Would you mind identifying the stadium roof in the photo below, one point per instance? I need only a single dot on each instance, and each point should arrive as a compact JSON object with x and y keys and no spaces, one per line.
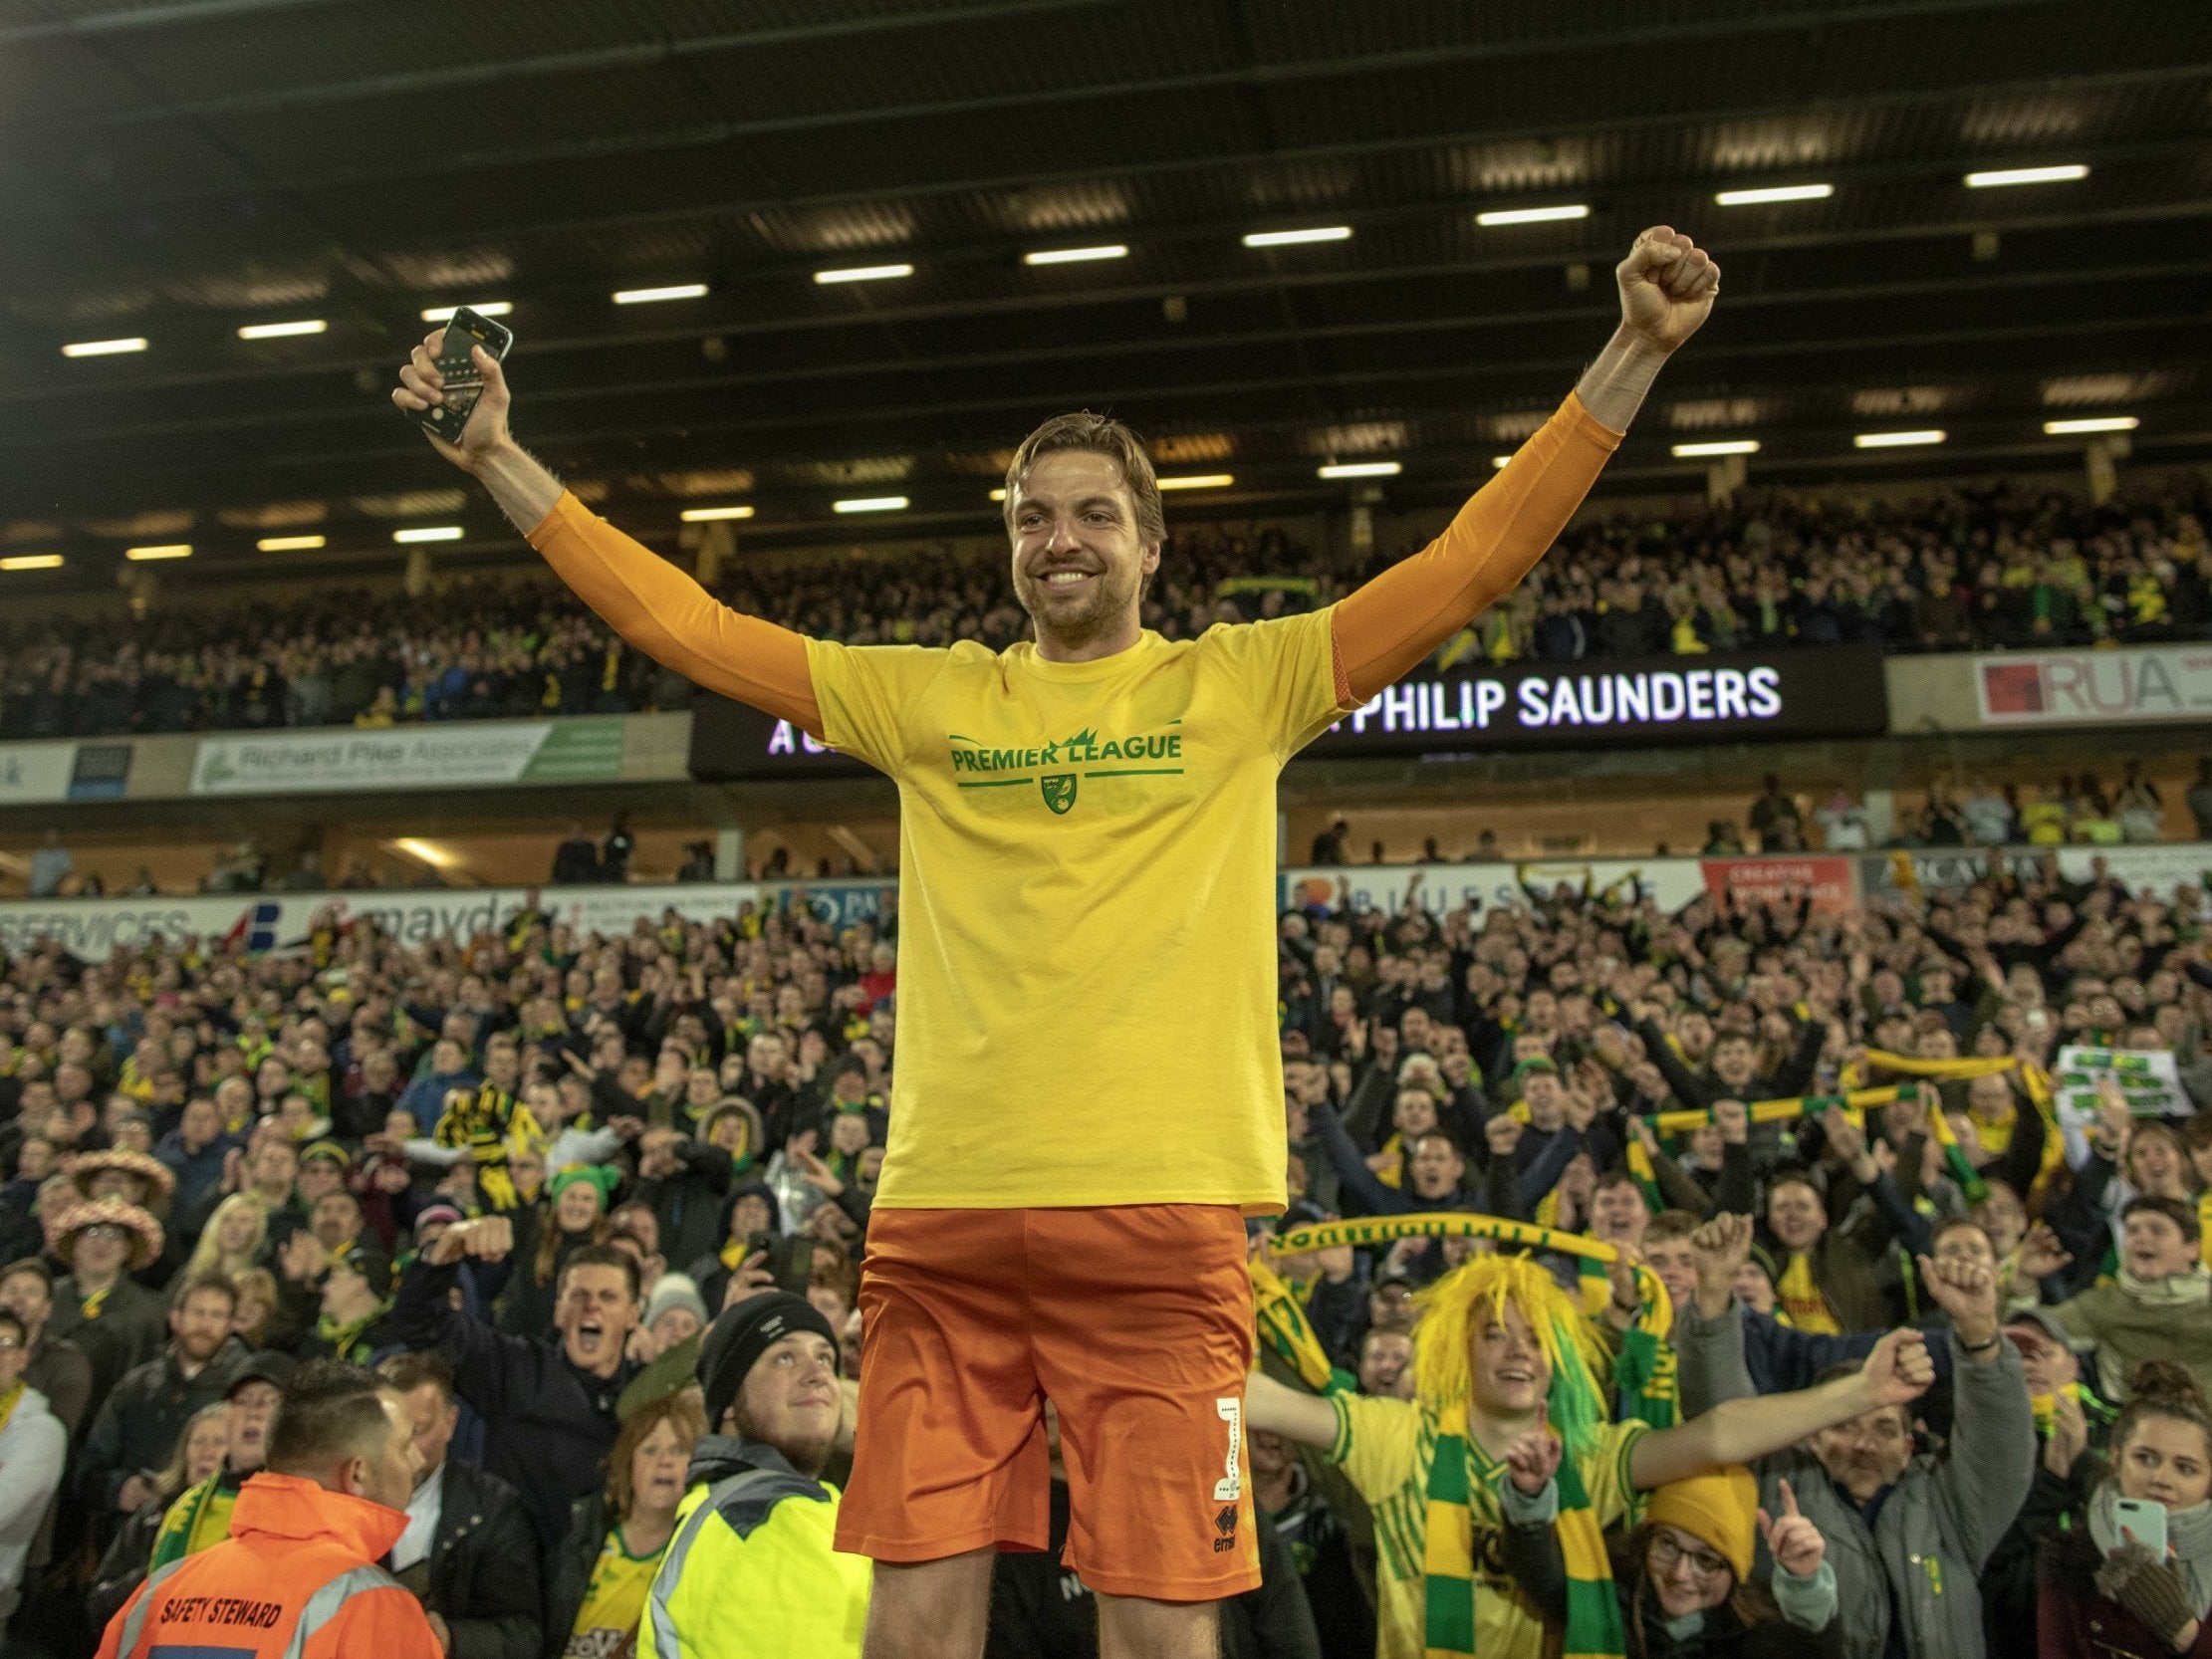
{"x":177,"y":170}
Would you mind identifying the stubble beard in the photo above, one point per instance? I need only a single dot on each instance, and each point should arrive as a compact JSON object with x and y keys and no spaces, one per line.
{"x":1076,"y":627}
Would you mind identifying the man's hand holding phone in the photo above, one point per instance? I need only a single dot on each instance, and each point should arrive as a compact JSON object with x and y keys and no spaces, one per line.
{"x":485,"y":449}
{"x":421,"y":388}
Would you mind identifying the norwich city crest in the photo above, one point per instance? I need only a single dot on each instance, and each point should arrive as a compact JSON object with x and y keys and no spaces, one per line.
{"x":1059,"y":789}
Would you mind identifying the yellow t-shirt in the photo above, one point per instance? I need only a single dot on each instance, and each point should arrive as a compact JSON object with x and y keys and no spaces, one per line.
{"x":614,"y":1601}
{"x":1086,"y":886}
{"x":1798,"y":1295}
{"x":1385,"y":1448}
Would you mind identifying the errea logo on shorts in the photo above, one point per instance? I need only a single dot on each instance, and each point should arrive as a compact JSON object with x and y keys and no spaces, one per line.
{"x":1057,"y":767}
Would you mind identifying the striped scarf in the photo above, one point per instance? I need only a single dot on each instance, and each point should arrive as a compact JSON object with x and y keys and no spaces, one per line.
{"x":1576,"y":1411}
{"x":1593,"y":1614}
{"x":1283,"y":1326}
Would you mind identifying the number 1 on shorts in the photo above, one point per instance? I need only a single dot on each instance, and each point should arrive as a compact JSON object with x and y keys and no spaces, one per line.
{"x":1230,"y":1486}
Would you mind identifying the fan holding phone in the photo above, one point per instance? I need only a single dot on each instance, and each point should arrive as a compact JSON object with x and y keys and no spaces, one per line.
{"x":2138,"y":1579}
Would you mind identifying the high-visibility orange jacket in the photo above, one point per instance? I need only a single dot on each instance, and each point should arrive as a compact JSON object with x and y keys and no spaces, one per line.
{"x":296,"y":1579}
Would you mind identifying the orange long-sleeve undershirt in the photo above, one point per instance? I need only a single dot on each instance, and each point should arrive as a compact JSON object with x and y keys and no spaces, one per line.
{"x":1382,"y":631}
{"x":1378,"y":633}
{"x":675,"y":621}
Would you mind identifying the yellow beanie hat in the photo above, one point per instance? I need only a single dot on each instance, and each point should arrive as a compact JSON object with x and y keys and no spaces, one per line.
{"x":1716,"y":1508}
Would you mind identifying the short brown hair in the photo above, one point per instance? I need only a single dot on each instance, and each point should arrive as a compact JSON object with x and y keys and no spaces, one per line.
{"x":412,"y":1371}
{"x":1093,"y":434}
{"x":210,"y":1283}
{"x":1671,"y":1224}
{"x":681,"y":1410}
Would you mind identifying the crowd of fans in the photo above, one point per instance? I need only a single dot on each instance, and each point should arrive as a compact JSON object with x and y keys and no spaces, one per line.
{"x":522,"y":1178}
{"x":1958,"y":569}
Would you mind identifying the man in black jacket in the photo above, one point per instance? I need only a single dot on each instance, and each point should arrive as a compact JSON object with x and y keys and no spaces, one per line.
{"x":683,"y":1181}
{"x":468,"y":1552}
{"x":141,"y":1420}
{"x":548,"y":1408}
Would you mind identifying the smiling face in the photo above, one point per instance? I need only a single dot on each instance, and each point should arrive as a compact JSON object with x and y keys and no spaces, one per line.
{"x":1867,"y":1453}
{"x":1618,"y":1213}
{"x":577,"y":1207}
{"x":790,"y":1399}
{"x":1078,"y":558}
{"x":1795,"y":1212}
{"x":1686,"y":1575}
{"x":2153,"y":1246}
{"x":1511,"y":1375}
{"x":2155,"y":1162}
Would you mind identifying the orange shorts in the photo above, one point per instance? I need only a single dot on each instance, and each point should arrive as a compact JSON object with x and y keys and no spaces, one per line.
{"x":1135,"y":1321}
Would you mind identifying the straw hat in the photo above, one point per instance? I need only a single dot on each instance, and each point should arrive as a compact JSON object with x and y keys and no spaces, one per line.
{"x":145,"y":1246}
{"x":160,"y":1180}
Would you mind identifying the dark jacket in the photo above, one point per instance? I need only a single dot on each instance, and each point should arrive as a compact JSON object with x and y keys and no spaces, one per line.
{"x":197,"y":1173}
{"x":129,"y":1329}
{"x":569,"y":1567}
{"x":1040,"y":1609}
{"x":1783,"y":1361}
{"x":137,"y":1424}
{"x":1702,"y":1088}
{"x":2012,"y":1582}
{"x":689,"y":1203}
{"x":484,"y":1567}
{"x":2075,"y":1620}
{"x":548,"y":1425}
{"x":59,"y":1371}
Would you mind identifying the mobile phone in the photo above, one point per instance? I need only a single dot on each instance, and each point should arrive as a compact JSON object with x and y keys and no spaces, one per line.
{"x":2143,"y":1522}
{"x":789,"y":1260}
{"x":463,"y":385}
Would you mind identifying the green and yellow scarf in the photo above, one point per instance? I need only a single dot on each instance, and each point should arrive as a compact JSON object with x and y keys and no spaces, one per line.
{"x":1576,"y":1412}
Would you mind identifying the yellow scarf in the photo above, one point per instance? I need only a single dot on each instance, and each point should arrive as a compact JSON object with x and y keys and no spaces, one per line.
{"x":1802,"y":1299}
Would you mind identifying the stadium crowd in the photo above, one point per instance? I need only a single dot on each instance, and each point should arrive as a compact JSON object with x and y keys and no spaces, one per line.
{"x":1957,"y":569}
{"x":593,"y":1210}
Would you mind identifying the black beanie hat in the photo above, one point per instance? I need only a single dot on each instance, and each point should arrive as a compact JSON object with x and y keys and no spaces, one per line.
{"x":740,"y":1334}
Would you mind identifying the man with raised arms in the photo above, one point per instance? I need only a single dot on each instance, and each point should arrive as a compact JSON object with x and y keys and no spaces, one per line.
{"x":1094,"y":928}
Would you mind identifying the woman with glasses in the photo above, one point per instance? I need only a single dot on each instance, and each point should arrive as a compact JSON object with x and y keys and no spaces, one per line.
{"x":1686,"y":1578}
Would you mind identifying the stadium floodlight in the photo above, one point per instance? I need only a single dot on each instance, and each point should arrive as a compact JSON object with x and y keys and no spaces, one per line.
{"x":1898,"y":440}
{"x":431,"y":852}
{"x":487,"y":308}
{"x":1076,"y":256}
{"x":1363,"y":469}
{"x":429,"y":533}
{"x":1534,"y":215}
{"x":870,"y":504}
{"x":863,"y":273}
{"x":999,"y":494}
{"x":31,"y":562}
{"x":103,"y":348}
{"x":1294,"y":238}
{"x":2026,"y":175}
{"x":713,"y":515}
{"x":288,"y":544}
{"x":1498,"y":462}
{"x":653,"y":296}
{"x":1721,"y":446}
{"x":1198,"y":481}
{"x":169,"y":550}
{"x":282,"y":330}
{"x":2090,"y":423}
{"x":1774,"y":192}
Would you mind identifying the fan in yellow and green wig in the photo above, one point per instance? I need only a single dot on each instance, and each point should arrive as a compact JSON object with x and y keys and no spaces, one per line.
{"x":1457,"y":1309}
